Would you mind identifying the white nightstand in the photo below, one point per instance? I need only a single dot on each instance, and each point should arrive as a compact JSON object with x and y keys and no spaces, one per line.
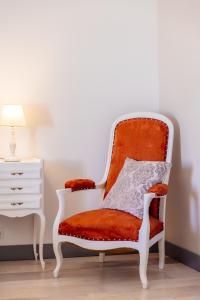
{"x":21,"y":194}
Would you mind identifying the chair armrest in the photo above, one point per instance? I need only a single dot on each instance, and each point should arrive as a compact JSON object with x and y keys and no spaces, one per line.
{"x":80,"y":184}
{"x":145,"y":227}
{"x":62,"y":192}
{"x":160,"y":189}
{"x":62,"y":199}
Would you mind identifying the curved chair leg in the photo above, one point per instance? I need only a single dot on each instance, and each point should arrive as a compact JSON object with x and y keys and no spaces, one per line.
{"x":59,"y":258}
{"x":101,"y":257}
{"x":161,"y":248}
{"x":144,"y":254}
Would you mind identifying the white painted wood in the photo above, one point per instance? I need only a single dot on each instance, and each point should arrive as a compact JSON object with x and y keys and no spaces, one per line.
{"x":20,"y":205}
{"x":101,"y":257}
{"x":144,"y":255}
{"x":25,"y":169}
{"x":161,"y":248}
{"x":21,"y":194}
{"x":35,"y":232}
{"x":18,"y":196}
{"x":20,"y":201}
{"x":41,"y":239}
{"x":20,"y":173}
{"x":156,"y":238}
{"x":144,"y":242}
{"x":20,"y":187}
{"x":59,"y":257}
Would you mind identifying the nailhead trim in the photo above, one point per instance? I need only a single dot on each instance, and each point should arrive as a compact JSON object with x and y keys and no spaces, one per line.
{"x":102,"y":240}
{"x":81,"y":189}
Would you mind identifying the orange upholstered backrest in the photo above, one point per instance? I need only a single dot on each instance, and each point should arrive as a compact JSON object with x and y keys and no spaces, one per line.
{"x":139,"y":139}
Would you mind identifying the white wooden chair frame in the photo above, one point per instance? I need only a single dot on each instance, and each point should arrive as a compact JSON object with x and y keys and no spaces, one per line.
{"x":144,"y":242}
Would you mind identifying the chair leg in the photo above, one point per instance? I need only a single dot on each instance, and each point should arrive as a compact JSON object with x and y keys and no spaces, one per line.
{"x":161,"y":248}
{"x":59,"y":258}
{"x":101,"y":257}
{"x":144,"y":255}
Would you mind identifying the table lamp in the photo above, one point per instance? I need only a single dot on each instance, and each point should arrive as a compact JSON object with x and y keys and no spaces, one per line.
{"x":12,"y":116}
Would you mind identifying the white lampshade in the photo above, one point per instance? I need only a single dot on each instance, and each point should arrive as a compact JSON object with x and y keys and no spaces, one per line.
{"x":12,"y":115}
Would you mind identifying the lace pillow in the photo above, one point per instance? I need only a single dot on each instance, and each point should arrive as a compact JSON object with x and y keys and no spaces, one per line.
{"x":135,"y":178}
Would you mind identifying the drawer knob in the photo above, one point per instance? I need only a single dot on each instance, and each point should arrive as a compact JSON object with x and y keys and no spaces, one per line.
{"x":16,"y":203}
{"x":19,"y":188}
{"x":17,"y":173}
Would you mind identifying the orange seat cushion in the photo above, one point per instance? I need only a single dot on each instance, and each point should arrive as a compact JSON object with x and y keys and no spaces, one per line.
{"x":107,"y":225}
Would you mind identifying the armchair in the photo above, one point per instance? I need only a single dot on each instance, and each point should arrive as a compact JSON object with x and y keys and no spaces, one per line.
{"x":141,"y":136}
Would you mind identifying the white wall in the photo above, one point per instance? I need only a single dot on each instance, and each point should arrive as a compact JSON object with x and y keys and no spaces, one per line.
{"x":75,"y":65}
{"x":179,"y":73}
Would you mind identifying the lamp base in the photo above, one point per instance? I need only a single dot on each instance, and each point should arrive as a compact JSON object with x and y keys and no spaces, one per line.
{"x":12,"y":159}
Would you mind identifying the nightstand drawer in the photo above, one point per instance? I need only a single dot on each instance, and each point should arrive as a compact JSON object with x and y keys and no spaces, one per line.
{"x":24,"y":201}
{"x":21,"y":173}
{"x":20,"y":187}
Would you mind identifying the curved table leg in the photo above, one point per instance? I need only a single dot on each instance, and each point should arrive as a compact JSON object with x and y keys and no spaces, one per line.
{"x":35,"y":231}
{"x":41,"y":239}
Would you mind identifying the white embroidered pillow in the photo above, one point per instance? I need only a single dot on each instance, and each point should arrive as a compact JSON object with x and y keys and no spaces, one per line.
{"x":135,"y":178}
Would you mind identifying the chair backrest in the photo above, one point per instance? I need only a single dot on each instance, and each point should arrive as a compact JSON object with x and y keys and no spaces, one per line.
{"x":140,"y":136}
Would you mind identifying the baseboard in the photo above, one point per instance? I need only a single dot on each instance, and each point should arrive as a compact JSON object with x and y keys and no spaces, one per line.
{"x":184,"y":256}
{"x":25,"y":252}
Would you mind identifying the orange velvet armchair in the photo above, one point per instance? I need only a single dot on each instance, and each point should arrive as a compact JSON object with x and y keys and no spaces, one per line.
{"x":141,"y":136}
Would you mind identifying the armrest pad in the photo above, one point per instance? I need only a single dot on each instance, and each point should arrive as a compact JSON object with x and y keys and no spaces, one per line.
{"x":160,"y":189}
{"x":80,"y":184}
